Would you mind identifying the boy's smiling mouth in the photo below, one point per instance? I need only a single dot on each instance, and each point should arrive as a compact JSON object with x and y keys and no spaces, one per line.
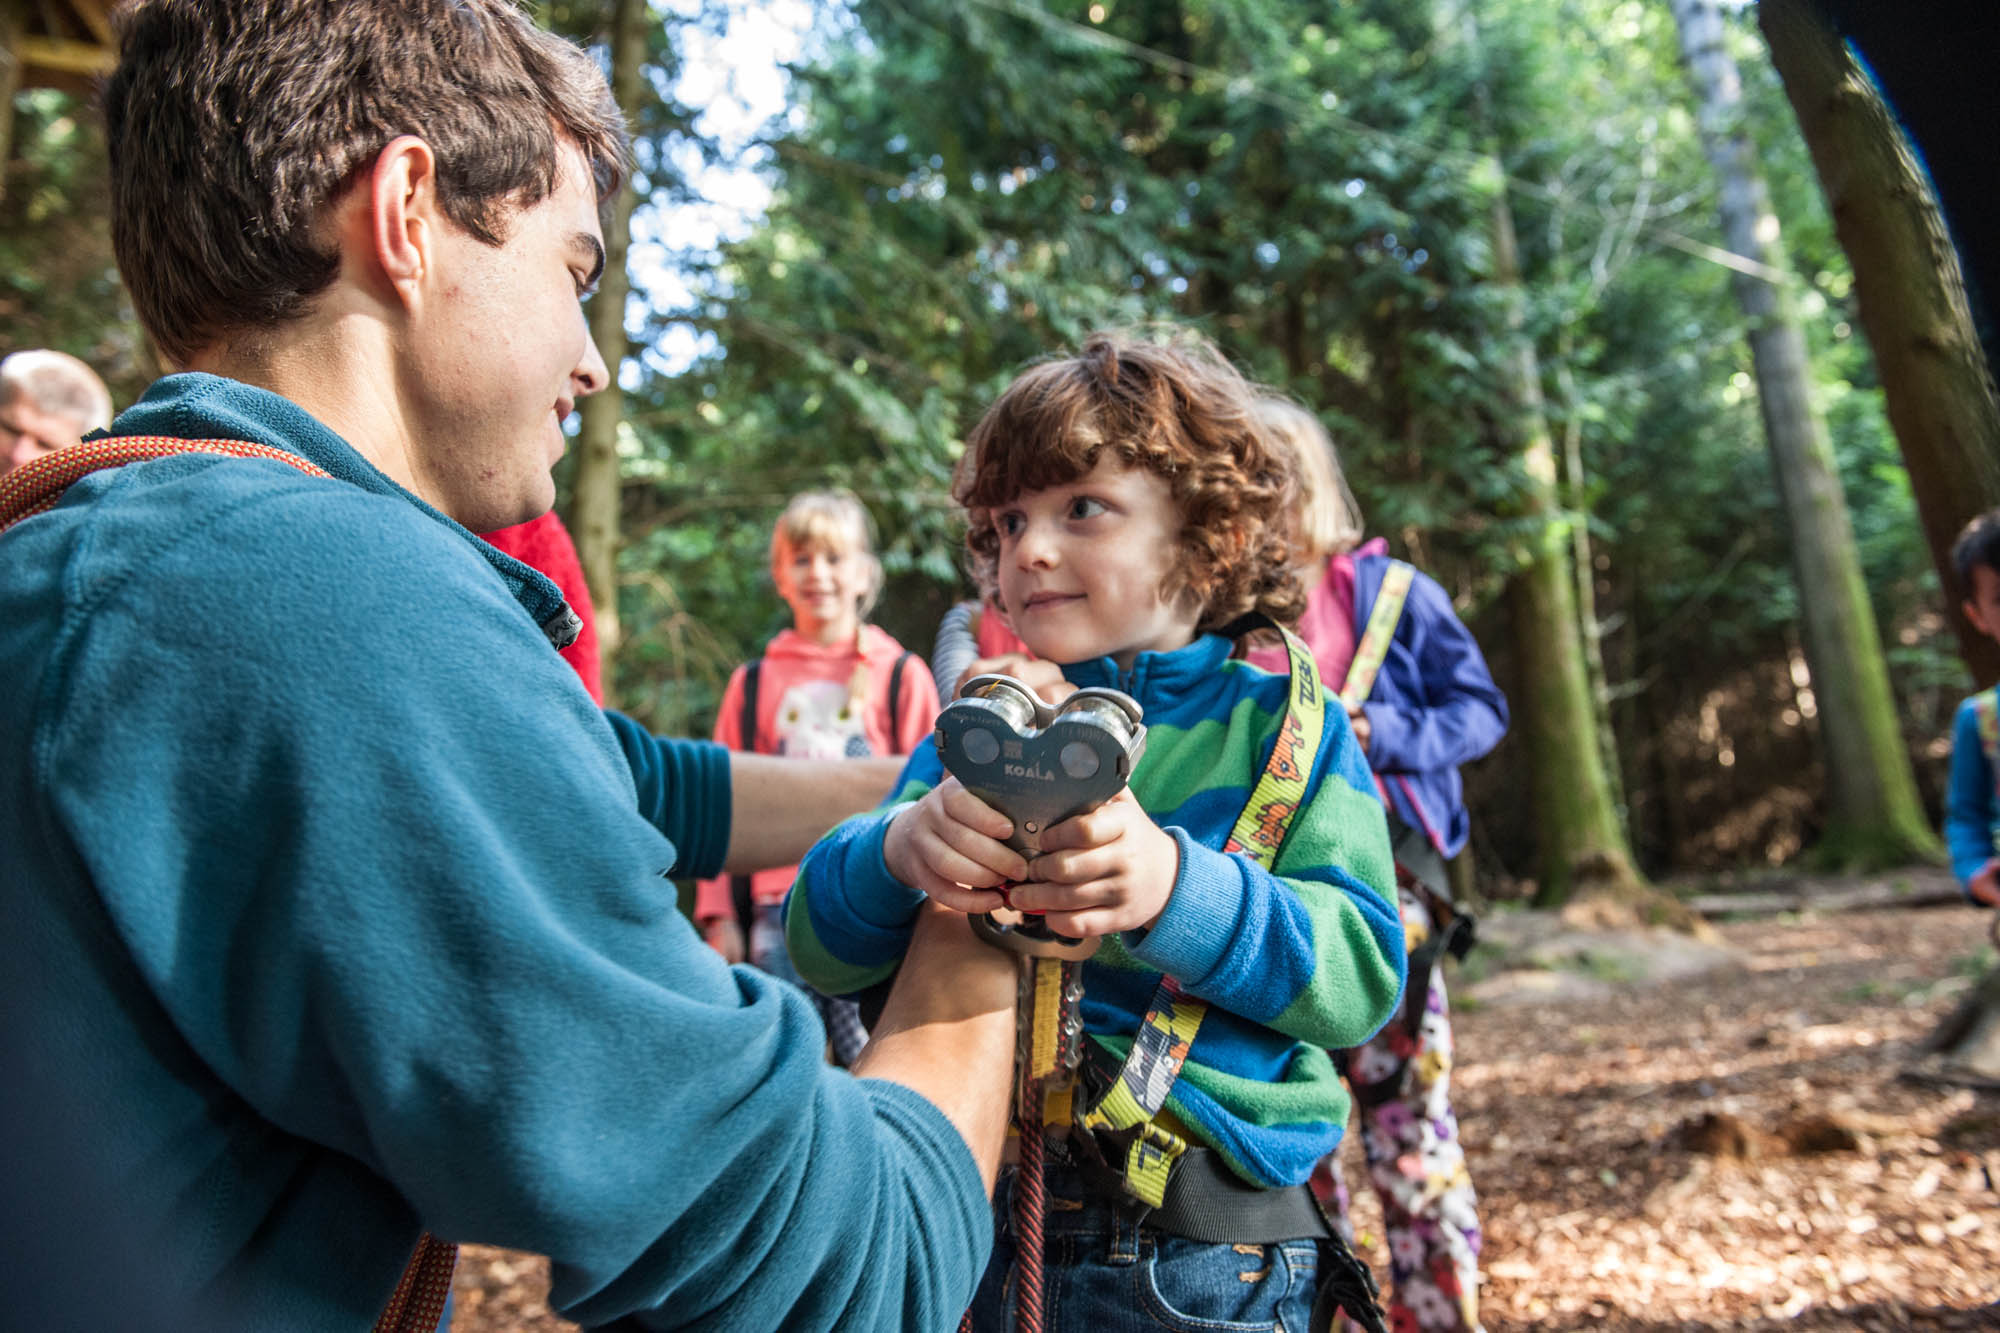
{"x":1041,"y":601}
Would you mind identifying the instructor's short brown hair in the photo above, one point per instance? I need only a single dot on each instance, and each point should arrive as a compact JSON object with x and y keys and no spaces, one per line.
{"x":234,"y":123}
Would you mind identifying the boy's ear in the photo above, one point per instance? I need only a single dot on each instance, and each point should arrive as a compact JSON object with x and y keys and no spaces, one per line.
{"x":403,"y":221}
{"x":1971,"y":610}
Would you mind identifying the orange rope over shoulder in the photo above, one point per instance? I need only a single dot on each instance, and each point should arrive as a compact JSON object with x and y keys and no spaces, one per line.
{"x":419,"y":1299}
{"x":37,"y":486}
{"x":418,"y":1302}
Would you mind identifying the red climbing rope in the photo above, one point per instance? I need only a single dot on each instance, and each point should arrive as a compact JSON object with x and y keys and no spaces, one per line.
{"x":1030,"y":1208}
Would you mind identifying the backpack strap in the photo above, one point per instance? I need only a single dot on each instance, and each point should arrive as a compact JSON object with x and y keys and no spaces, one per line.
{"x":1373,"y":649}
{"x":740,"y":900}
{"x":419,"y":1299}
{"x":746,"y":718}
{"x":1130,"y":1105}
{"x":896,"y":694}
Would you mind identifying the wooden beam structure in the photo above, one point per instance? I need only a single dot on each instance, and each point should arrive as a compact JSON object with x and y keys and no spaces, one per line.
{"x":58,"y":43}
{"x":56,"y":55}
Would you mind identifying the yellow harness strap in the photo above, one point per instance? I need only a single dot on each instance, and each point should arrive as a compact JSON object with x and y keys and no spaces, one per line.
{"x":1166,"y":1034}
{"x":1373,"y":649}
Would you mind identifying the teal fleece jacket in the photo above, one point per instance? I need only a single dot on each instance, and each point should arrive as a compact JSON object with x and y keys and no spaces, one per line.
{"x":333,"y":911}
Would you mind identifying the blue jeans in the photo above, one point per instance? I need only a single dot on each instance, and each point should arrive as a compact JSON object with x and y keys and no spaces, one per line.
{"x":1104,"y":1272}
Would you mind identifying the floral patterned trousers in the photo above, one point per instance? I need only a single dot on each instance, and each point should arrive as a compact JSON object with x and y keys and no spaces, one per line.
{"x":1402,"y":1086}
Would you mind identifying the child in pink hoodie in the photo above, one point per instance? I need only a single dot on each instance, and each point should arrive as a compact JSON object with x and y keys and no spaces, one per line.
{"x":831,"y":687}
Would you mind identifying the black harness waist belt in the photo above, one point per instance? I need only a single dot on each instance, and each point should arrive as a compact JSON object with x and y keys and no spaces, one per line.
{"x":1206,"y":1201}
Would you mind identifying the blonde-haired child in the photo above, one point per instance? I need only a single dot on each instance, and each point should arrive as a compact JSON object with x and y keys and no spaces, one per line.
{"x":830,"y":687}
{"x":1430,"y":706}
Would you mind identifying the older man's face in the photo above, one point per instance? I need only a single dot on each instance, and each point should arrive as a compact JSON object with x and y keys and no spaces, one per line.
{"x":27,"y":432}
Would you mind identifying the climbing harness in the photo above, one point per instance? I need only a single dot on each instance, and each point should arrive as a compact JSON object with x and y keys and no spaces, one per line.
{"x":1118,"y":1138}
{"x":1458,"y":930}
{"x":421,"y":1292}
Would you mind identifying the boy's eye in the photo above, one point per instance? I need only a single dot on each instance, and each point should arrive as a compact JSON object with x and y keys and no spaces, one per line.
{"x":1009,"y":524}
{"x":1083,"y":506}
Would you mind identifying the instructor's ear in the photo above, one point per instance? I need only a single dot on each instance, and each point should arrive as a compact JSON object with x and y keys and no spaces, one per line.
{"x":403,"y":218}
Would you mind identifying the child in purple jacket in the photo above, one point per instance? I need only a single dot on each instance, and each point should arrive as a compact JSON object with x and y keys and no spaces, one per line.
{"x":1431,"y":707}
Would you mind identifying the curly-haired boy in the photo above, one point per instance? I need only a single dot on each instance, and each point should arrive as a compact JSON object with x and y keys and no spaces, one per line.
{"x":1126,"y":511}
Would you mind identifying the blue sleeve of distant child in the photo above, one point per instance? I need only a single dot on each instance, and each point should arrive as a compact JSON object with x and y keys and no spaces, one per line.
{"x":1970,"y":811}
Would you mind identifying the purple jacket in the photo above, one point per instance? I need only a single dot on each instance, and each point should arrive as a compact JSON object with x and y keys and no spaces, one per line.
{"x":1434,"y":705}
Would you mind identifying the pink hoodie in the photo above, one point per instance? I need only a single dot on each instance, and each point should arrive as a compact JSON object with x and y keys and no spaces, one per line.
{"x":804,"y":710}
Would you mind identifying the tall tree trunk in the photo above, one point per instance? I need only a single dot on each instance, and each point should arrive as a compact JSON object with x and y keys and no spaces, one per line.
{"x":595,"y":501}
{"x":1585,"y":559}
{"x":1911,"y":292}
{"x":1580,"y":841}
{"x":1910,"y":289}
{"x":1874,"y":817}
{"x":11,"y":14}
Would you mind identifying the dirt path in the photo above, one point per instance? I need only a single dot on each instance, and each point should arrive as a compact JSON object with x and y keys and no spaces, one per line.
{"x":1611,"y":1204}
{"x":1605,"y":1209}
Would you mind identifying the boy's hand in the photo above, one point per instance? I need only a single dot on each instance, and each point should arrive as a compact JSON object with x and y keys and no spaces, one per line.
{"x":1044,"y":678}
{"x":1101,"y":872}
{"x":725,"y":937}
{"x":948,"y":845}
{"x":1985,"y":886}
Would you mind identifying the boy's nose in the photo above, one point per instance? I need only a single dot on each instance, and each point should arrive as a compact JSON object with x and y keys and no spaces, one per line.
{"x":1035,"y":546}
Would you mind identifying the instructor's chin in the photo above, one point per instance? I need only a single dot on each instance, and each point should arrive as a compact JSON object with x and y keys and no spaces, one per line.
{"x":498,"y":514}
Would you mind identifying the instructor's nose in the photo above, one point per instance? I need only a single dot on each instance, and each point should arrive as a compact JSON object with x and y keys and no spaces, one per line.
{"x":590,"y":374}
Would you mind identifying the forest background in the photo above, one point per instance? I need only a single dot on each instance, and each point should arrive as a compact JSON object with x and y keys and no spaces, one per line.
{"x":1484,"y":239}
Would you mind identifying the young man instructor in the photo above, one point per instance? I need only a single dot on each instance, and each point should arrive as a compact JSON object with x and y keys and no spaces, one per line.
{"x":333,"y":910}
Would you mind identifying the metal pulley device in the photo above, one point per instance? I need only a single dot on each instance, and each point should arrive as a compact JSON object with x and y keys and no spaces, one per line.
{"x":1038,"y":764}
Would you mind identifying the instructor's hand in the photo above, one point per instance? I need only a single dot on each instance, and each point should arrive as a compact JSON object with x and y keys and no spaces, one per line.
{"x":947,"y":1032}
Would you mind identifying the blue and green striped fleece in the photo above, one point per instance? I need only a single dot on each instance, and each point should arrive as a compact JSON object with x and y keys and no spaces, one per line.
{"x":1292,"y":964}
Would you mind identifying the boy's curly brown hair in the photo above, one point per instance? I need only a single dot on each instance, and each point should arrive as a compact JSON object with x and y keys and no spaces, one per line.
{"x":1176,"y":408}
